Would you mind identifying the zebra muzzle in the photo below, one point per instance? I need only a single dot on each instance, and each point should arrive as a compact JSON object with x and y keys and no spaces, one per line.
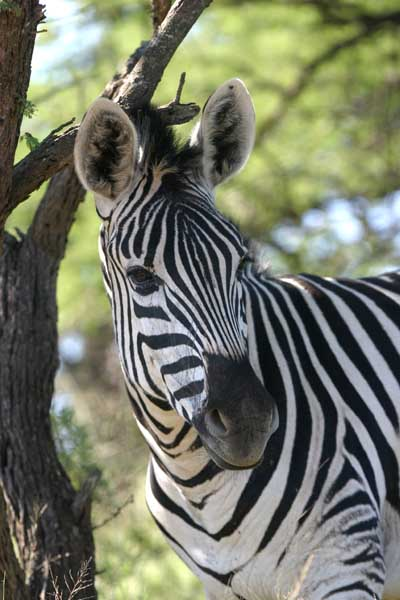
{"x":239,"y":416}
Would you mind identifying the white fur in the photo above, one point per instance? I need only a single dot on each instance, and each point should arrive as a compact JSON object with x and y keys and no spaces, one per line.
{"x":94,"y":134}
{"x":237,"y":129}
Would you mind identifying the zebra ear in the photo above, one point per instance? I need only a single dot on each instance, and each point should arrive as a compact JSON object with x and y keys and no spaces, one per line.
{"x":226,"y":131}
{"x":105,"y":153}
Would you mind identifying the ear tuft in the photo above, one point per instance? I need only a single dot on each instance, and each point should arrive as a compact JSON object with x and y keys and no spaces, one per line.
{"x":226,"y":131}
{"x":105,"y":150}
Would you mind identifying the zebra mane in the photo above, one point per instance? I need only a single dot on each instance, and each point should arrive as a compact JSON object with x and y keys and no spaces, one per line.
{"x":159,"y":143}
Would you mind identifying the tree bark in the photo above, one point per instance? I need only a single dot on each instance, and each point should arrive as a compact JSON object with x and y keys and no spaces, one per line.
{"x":159,"y":9}
{"x":18,"y":23}
{"x":12,"y":583}
{"x":50,"y":525}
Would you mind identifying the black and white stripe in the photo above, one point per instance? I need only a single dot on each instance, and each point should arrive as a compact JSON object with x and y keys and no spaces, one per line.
{"x":213,"y":350}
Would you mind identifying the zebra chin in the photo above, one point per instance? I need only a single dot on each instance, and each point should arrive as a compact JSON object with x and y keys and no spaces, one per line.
{"x":239,"y":416}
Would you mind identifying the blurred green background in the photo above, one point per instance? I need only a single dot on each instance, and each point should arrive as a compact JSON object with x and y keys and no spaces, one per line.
{"x":321,"y":192}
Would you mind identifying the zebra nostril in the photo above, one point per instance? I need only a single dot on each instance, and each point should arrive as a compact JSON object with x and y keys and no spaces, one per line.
{"x":215,"y":423}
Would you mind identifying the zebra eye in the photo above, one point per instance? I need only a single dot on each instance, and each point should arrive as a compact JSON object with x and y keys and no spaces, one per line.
{"x":142,"y":278}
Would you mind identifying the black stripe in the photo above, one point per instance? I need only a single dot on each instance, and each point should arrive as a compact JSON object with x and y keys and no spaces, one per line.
{"x":356,"y":586}
{"x":191,"y":389}
{"x":354,"y":446}
{"x":328,"y":408}
{"x":224,"y":578}
{"x":373,"y":329}
{"x":347,"y":389}
{"x":354,"y":500}
{"x":207,"y":473}
{"x":182,"y":364}
{"x":303,"y":432}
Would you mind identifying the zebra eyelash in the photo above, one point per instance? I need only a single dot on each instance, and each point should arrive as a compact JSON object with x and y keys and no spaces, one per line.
{"x":144,"y":280}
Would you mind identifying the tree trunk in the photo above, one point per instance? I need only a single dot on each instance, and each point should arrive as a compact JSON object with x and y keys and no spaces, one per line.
{"x":39,"y":509}
{"x":50,"y":524}
{"x":18,"y":22}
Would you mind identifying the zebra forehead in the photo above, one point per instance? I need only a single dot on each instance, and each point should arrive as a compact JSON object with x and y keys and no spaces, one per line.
{"x":175,"y":214}
{"x":173,"y":237}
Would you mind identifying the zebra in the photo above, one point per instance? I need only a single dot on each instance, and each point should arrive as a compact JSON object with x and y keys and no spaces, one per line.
{"x":271,"y":405}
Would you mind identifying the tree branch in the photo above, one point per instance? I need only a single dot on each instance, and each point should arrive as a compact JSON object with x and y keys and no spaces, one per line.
{"x":50,"y":156}
{"x":83,"y":498}
{"x":141,"y":83}
{"x":56,"y":212}
{"x":133,"y":87}
{"x":175,"y":113}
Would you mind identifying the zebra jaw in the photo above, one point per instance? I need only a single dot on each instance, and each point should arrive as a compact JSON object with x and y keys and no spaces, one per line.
{"x":220,"y":462}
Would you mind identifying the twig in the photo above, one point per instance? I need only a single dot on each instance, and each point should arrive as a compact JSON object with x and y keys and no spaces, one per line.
{"x":182,"y":80}
{"x":74,"y":586}
{"x":115,"y":513}
{"x":84,"y":497}
{"x":175,"y":113}
{"x":59,"y":128}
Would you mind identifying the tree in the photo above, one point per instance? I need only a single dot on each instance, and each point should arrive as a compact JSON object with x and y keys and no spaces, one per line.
{"x":49,"y":520}
{"x":325,"y":79}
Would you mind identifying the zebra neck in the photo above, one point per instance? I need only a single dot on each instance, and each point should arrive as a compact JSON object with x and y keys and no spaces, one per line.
{"x":190,"y":474}
{"x":174,"y":444}
{"x":206,"y":498}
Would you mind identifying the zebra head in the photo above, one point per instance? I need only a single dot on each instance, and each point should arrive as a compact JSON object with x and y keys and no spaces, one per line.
{"x":172,"y":267}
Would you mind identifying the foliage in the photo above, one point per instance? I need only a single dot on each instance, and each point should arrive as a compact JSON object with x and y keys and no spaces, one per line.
{"x":31,"y":141}
{"x":73,"y":445}
{"x":136,"y":561}
{"x":29,"y":109}
{"x":320,"y":190}
{"x":327,"y":128}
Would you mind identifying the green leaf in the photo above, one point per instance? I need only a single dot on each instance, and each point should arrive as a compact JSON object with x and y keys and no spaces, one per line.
{"x":31,"y":141}
{"x":29,"y":109}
